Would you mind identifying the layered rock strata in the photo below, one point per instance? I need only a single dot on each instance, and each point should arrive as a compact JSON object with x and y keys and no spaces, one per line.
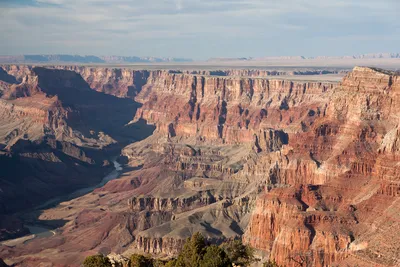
{"x":56,"y":135}
{"x":305,"y":172}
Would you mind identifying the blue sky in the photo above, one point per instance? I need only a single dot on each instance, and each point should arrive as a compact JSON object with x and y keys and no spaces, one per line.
{"x":199,"y":29}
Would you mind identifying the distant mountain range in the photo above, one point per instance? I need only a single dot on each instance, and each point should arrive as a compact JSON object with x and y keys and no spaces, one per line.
{"x":77,"y":59}
{"x":85,"y":59}
{"x":364,"y":56}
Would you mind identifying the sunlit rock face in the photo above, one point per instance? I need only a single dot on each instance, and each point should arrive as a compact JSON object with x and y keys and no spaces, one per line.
{"x":305,"y":172}
{"x":354,"y":149}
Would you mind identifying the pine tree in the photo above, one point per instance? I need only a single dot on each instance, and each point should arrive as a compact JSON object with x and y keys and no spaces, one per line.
{"x":97,"y":261}
{"x":238,"y":253}
{"x":192,"y":252}
{"x":215,"y":257}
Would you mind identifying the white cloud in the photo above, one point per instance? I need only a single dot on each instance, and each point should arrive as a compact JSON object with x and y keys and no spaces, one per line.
{"x":187,"y":26}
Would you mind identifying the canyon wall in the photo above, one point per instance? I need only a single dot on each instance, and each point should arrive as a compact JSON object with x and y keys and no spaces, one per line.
{"x":350,"y":147}
{"x":225,"y":110}
{"x":319,"y":150}
{"x":127,"y":82}
{"x":304,"y":172}
{"x":64,"y":125}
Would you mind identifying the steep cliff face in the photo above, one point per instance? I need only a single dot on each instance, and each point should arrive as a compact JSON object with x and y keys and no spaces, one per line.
{"x":127,"y":82}
{"x":18,"y":71}
{"x":226,"y":110}
{"x":350,"y":147}
{"x":4,"y":76}
{"x":333,"y":138}
{"x":261,"y":73}
{"x":74,"y":112}
{"x":300,"y":227}
{"x":305,"y":172}
{"x":120,"y":82}
{"x":199,"y":104}
{"x":36,"y":107}
{"x":55,"y":128}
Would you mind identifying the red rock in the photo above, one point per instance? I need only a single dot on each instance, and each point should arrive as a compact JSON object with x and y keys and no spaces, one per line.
{"x":307,"y":171}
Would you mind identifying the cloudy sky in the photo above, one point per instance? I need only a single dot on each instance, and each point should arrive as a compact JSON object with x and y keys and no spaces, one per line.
{"x":199,"y":29}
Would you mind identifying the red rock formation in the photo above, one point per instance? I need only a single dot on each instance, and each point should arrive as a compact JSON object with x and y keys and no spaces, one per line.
{"x":351,"y":149}
{"x":260,"y":73}
{"x":306,"y":171}
{"x":119,"y":82}
{"x":52,"y":122}
{"x":125,"y":82}
{"x":295,"y":233}
{"x":224,"y":110}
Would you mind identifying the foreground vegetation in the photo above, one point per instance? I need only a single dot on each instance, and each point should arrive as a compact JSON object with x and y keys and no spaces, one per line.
{"x":195,"y":253}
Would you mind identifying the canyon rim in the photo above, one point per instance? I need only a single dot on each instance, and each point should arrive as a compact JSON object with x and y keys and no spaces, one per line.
{"x":199,"y":133}
{"x":303,"y":170}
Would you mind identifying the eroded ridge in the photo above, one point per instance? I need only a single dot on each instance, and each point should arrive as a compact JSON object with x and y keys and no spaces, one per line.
{"x":305,"y":172}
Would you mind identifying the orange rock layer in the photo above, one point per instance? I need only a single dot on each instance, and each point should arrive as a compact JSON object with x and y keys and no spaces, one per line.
{"x":316,"y":162}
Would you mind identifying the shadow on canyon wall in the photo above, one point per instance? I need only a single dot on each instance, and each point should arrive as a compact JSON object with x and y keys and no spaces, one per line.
{"x":92,"y":110}
{"x":5,"y":77}
{"x":34,"y":172}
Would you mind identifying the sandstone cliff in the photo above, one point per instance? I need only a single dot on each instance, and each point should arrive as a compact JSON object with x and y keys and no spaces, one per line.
{"x":225,"y":110}
{"x":305,"y":172}
{"x":351,"y":150}
{"x":55,"y":135}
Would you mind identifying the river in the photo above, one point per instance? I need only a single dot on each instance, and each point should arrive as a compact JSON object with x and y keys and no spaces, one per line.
{"x":38,"y":231}
{"x":83,"y":191}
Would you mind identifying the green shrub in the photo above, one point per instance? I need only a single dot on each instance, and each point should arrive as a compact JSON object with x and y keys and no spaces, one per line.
{"x":159,"y":263}
{"x":215,"y":257}
{"x":97,"y":261}
{"x":195,"y":253}
{"x":171,"y":263}
{"x":238,"y":253}
{"x":270,"y":264}
{"x":192,"y":252}
{"x":137,"y":260}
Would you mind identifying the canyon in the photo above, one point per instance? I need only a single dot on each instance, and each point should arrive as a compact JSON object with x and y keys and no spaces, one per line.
{"x":305,"y":171}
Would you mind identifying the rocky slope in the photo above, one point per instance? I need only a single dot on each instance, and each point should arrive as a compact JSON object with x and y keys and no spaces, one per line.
{"x":126,"y":82}
{"x":56,"y":135}
{"x":305,"y":172}
{"x":323,"y":221}
{"x":241,"y":109}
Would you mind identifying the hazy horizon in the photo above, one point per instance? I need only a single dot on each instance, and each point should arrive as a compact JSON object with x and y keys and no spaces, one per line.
{"x":199,"y":29}
{"x":205,"y":59}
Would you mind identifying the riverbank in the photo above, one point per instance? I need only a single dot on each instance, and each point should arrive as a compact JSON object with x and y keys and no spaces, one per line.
{"x":41,"y":231}
{"x":36,"y":232}
{"x":83,"y":191}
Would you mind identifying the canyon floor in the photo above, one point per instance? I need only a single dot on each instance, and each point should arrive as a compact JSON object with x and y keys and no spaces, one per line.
{"x":301,"y":163}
